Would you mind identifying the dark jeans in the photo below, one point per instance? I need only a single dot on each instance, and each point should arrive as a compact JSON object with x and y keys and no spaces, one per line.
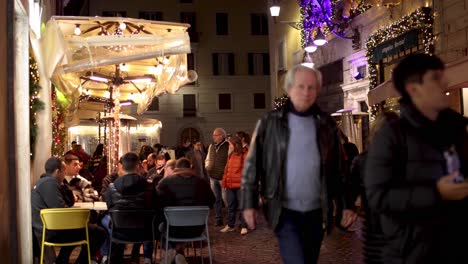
{"x":218,"y":206}
{"x":97,"y":235}
{"x":300,"y":236}
{"x":233,"y":196}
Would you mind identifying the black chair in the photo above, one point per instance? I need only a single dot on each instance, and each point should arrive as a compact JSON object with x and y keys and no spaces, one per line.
{"x":131,"y":226}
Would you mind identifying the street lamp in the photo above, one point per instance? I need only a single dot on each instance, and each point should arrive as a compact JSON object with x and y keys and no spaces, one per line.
{"x":320,"y":39}
{"x":275,"y":10}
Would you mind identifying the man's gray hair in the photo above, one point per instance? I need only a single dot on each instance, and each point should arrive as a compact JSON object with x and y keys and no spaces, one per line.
{"x":291,"y":74}
{"x":222,"y":131}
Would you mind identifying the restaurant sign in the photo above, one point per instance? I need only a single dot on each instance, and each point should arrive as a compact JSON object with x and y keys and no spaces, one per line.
{"x":389,"y":48}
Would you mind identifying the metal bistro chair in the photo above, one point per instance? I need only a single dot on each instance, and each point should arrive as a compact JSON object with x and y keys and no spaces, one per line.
{"x":187,"y":216}
{"x":64,"y":219}
{"x":127,"y":223}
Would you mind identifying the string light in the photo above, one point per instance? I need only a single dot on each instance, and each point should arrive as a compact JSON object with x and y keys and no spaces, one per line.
{"x":280,"y":101}
{"x":35,"y":104}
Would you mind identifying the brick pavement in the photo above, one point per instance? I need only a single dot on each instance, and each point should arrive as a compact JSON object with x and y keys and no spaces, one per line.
{"x":260,"y":246}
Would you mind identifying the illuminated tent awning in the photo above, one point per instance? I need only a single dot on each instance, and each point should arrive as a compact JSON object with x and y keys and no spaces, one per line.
{"x":154,"y":53}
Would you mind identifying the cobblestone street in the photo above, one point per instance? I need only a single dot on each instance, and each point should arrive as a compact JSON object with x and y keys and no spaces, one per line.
{"x":260,"y":246}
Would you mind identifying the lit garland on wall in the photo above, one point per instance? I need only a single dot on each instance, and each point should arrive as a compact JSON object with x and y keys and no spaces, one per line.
{"x":421,"y":19}
{"x":280,"y":101}
{"x":313,"y":16}
{"x":35,"y":104}
{"x":59,"y":131}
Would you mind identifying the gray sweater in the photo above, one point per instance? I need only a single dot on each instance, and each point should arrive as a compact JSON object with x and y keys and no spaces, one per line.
{"x":302,"y":183}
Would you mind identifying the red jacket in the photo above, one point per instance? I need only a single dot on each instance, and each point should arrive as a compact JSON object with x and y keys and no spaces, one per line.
{"x":233,"y":171}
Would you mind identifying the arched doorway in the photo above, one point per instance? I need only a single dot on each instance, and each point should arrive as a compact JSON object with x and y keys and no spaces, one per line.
{"x":189,"y":134}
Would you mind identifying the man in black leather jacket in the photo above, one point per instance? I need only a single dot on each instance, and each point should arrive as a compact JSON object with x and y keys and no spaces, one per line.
{"x":295,"y":164}
{"x":423,"y":211}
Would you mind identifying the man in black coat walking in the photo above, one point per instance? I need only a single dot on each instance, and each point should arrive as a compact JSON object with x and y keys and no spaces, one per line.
{"x":423,"y":209}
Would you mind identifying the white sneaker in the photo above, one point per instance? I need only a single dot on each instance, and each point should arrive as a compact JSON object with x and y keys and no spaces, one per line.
{"x":147,"y":261}
{"x":227,"y":229}
{"x":244,"y":231}
{"x":180,"y":259}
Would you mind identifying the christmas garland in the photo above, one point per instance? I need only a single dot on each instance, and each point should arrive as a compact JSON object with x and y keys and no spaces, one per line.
{"x":59,"y":131}
{"x":35,"y":104}
{"x":280,"y":101}
{"x":421,"y":19}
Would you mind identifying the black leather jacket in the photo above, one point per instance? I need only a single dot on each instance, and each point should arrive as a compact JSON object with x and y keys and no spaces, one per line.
{"x":265,"y":167}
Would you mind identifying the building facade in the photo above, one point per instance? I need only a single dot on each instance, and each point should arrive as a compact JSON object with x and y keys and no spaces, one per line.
{"x":230,"y":54}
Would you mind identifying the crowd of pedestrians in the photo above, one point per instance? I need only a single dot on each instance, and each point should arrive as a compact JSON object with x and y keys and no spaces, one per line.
{"x":301,"y":171}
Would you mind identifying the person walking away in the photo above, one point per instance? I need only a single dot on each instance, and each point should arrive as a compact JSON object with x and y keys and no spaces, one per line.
{"x":423,"y":210}
{"x":296,"y":158}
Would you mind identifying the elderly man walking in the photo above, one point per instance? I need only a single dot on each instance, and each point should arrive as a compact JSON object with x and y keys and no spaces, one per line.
{"x":215,"y":163}
{"x":296,"y":158}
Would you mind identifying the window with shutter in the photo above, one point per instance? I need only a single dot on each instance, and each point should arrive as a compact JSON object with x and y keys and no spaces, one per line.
{"x":154,"y":106}
{"x":259,"y":63}
{"x":114,"y":13}
{"x":223,"y":64}
{"x":259,"y":101}
{"x":224,"y":101}
{"x":151,"y":15}
{"x":190,"y":106}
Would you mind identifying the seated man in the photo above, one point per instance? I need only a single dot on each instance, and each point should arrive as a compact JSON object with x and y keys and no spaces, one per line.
{"x":49,"y":192}
{"x":183,"y":188}
{"x":130,"y":191}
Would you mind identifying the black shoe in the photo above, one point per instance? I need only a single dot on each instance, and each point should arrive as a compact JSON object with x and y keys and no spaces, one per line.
{"x":219,"y":222}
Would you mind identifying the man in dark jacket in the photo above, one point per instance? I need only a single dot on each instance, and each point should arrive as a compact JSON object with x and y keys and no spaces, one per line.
{"x":50,"y":192}
{"x":295,"y":163}
{"x":215,"y":163}
{"x":131,"y":192}
{"x":423,"y":211}
{"x":184,"y":188}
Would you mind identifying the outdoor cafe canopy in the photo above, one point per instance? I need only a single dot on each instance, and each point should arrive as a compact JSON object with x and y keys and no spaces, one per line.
{"x":86,"y":57}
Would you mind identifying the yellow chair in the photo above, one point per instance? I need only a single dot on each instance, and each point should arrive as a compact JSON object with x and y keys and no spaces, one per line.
{"x":64,"y":219}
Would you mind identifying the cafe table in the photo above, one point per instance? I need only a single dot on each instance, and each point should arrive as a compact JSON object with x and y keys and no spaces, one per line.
{"x":98,"y":206}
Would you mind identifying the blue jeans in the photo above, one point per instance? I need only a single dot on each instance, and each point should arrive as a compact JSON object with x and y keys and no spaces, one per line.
{"x":233,"y":196}
{"x":105,"y":221}
{"x":218,"y":206}
{"x":300,"y":236}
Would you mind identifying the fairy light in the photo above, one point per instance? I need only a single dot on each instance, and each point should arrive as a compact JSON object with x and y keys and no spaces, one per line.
{"x":35,"y":104}
{"x":421,"y":19}
{"x":116,"y":132}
